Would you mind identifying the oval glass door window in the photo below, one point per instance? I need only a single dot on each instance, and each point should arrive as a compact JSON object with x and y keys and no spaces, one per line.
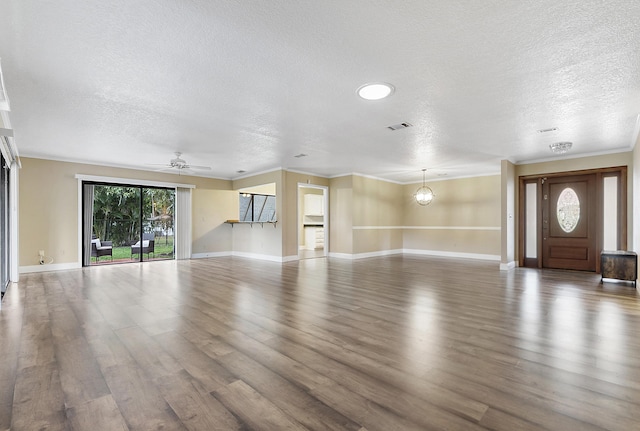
{"x":568,"y":210}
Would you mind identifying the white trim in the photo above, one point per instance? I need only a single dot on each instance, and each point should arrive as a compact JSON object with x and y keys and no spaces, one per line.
{"x":478,"y":256}
{"x":293,"y":171}
{"x":406,"y":183}
{"x":573,"y":156}
{"x":50,"y":267}
{"x":254,"y":174}
{"x":508,"y":266}
{"x":270,"y":258}
{"x":341,"y":255}
{"x":493,"y":228}
{"x":210,"y":254}
{"x":447,"y":178}
{"x":133,"y":182}
{"x":325,"y":216}
{"x":365,"y":255}
{"x":256,"y":256}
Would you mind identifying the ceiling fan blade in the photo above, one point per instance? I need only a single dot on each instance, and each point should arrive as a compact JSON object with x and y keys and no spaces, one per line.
{"x":200,"y":168}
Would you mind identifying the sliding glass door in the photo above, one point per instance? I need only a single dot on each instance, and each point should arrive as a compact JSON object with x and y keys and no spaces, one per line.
{"x":123,"y":223}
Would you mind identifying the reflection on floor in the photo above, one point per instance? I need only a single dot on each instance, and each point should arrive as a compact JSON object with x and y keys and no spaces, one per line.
{"x":311,"y":254}
{"x":135,"y":259}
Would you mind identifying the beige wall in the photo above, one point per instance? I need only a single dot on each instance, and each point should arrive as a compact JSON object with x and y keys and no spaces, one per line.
{"x":366,"y":215}
{"x":464,"y":217}
{"x":211,"y":208}
{"x":377,"y":215}
{"x":48,"y":202}
{"x":341,"y":215}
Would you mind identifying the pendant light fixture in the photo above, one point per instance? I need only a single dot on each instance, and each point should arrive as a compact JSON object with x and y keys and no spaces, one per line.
{"x":424,"y":195}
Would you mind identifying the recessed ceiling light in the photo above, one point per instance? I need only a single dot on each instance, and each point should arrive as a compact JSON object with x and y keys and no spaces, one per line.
{"x":375,"y":90}
{"x":241,"y":171}
{"x":560,"y":147}
{"x":297,"y":156}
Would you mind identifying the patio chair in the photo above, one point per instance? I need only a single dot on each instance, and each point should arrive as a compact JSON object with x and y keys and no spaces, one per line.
{"x":148,"y":245}
{"x":101,"y":248}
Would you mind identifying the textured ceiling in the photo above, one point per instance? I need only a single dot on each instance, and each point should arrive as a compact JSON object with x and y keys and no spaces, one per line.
{"x":248,"y":85}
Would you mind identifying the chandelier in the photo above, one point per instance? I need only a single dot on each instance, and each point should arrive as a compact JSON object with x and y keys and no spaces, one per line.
{"x":424,"y":195}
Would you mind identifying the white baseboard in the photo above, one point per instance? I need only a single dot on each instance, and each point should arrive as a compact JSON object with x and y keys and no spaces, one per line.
{"x":478,"y":256}
{"x":508,"y":266}
{"x":290,"y":258}
{"x":210,"y":254}
{"x":256,"y":256}
{"x":356,"y":256}
{"x":48,"y":267}
{"x":365,"y":255}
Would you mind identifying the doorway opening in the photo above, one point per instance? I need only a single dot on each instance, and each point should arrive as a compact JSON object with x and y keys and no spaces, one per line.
{"x":567,"y":219}
{"x":313,"y":221}
{"x":127,"y":223}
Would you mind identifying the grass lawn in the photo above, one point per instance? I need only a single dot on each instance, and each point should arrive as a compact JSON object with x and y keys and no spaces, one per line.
{"x":160,"y":250}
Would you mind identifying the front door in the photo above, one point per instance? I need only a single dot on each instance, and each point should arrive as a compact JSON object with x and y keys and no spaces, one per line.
{"x":569,"y":222}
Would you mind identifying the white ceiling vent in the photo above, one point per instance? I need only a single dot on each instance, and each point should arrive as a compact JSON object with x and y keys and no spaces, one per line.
{"x":399,"y":126}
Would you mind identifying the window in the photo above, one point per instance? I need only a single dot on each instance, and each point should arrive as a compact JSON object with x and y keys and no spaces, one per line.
{"x":257,"y":207}
{"x":531,"y":220}
{"x":610,"y":213}
{"x":568,"y":210}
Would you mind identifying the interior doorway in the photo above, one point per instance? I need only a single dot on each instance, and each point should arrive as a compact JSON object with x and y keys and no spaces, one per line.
{"x":313,"y":221}
{"x":567,"y":219}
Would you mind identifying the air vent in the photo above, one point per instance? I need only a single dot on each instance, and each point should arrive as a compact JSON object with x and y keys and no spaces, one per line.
{"x":241,"y":171}
{"x":552,"y":129}
{"x":399,"y":126}
{"x":297,"y":156}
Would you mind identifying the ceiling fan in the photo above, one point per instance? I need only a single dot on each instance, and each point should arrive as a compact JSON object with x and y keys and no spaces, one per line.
{"x":180,"y":164}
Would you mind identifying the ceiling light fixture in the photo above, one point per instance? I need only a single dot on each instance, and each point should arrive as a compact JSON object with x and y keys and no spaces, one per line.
{"x":424,"y":195}
{"x":375,"y":90}
{"x":560,"y":147}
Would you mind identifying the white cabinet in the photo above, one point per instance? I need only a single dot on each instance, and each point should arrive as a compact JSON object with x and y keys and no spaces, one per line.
{"x":313,"y":205}
{"x":314,"y":237}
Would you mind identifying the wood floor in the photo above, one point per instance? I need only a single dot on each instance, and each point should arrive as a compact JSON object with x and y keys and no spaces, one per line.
{"x":394,"y":343}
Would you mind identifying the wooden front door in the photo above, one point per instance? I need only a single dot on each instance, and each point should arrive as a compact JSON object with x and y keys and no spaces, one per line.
{"x":569,"y":222}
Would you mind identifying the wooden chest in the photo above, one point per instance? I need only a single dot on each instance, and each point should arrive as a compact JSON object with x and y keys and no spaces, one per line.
{"x":620,"y":264}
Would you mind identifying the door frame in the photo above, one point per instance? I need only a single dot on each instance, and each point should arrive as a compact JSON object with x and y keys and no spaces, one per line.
{"x":600,"y":173}
{"x":325,"y":218}
{"x":182,"y":221}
